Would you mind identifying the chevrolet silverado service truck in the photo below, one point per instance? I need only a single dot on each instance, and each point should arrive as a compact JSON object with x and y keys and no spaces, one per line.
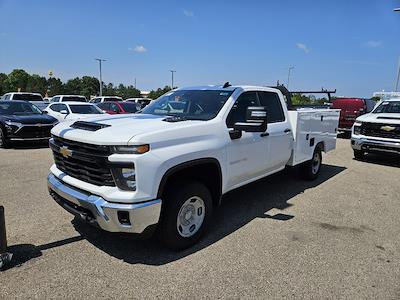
{"x":378,"y":131}
{"x":166,"y":168}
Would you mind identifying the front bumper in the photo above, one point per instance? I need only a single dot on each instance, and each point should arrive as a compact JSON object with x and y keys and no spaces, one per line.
{"x":112,"y":217}
{"x":372,"y":145}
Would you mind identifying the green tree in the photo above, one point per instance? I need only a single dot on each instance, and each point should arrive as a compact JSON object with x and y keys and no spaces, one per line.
{"x":18,"y":79}
{"x":54,"y":86}
{"x":3,"y":83}
{"x":73,"y":86}
{"x":154,"y":94}
{"x":89,"y":86}
{"x":36,"y":84}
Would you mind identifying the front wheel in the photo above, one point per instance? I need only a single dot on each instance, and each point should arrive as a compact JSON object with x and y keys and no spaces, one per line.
{"x":310,"y":169}
{"x":4,"y":143}
{"x":186,"y":214}
{"x":359,"y":155}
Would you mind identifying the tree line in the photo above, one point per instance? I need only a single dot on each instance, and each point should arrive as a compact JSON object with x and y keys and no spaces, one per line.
{"x":20,"y":80}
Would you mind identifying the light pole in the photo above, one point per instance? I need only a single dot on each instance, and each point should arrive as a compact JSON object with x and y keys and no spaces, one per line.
{"x":101,"y":80}
{"x":172,"y":79}
{"x":288,"y":76}
{"x":398,"y":69}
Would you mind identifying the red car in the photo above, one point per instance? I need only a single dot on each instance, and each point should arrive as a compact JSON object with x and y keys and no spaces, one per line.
{"x":350,"y":110}
{"x":114,"y":107}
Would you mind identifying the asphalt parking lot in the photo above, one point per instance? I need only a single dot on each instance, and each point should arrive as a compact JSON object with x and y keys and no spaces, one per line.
{"x":336,"y":237}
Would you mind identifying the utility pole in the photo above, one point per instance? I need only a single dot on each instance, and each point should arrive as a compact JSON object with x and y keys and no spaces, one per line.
{"x":172,"y":79}
{"x":398,"y":69}
{"x":101,"y":80}
{"x":135,"y":82}
{"x":396,"y":89}
{"x":288,"y":76}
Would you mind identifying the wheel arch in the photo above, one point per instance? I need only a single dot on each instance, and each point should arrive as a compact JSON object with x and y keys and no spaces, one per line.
{"x":205,"y":170}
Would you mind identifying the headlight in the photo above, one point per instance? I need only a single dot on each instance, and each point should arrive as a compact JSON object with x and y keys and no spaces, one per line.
{"x":125,"y":178}
{"x":131,"y":149}
{"x":12,"y":126}
{"x":357,"y":128}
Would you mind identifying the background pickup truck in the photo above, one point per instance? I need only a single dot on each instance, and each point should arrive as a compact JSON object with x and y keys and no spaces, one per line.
{"x":166,"y":168}
{"x":378,"y":131}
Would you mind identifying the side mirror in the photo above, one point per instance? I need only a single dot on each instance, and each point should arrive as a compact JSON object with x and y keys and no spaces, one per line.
{"x":63,"y":112}
{"x":44,"y":112}
{"x":256,"y":120}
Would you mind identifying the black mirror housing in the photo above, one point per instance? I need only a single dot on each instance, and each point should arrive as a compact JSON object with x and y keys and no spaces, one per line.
{"x":256,"y":120}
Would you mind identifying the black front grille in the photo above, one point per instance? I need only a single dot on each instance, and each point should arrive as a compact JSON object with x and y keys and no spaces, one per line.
{"x":83,"y":161}
{"x":378,"y":130}
{"x":34,"y":131}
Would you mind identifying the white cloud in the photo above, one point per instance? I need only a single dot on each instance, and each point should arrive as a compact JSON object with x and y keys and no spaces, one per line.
{"x":373,"y":44}
{"x":303,"y":47}
{"x":139,"y":49}
{"x":188,"y":13}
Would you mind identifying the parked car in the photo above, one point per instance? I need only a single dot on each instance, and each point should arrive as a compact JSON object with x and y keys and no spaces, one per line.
{"x":68,"y":98}
{"x":23,"y":96}
{"x":34,"y":98}
{"x":68,"y":111}
{"x":118,"y":107}
{"x":350,"y":109}
{"x":105,"y":99}
{"x":22,"y":121}
{"x":141,"y":102}
{"x":378,"y":131}
{"x":167,"y":168}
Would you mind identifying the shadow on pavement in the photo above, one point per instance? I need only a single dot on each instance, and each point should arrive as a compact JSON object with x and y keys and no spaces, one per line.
{"x":387,"y":159}
{"x":25,"y":252}
{"x":29,"y":145}
{"x":238,"y":209}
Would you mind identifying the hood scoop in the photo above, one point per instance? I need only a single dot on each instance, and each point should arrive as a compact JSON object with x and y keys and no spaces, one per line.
{"x":89,"y":126}
{"x":174,"y":119}
{"x":389,"y":118}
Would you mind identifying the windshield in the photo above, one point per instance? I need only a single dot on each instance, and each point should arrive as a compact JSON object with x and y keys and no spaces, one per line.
{"x":129,"y":107}
{"x":73,"y":99}
{"x":191,"y":105}
{"x":27,"y":97}
{"x":112,"y":99}
{"x":18,"y":108}
{"x":84,"y":109}
{"x":41,"y":105}
{"x":388,"y":107}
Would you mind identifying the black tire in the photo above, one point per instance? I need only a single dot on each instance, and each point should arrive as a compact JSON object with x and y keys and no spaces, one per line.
{"x":311,"y":169}
{"x":173,"y":201}
{"x":4,"y":143}
{"x":359,"y":155}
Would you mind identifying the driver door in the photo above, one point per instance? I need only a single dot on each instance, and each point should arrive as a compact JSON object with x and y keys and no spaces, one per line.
{"x":248,"y":156}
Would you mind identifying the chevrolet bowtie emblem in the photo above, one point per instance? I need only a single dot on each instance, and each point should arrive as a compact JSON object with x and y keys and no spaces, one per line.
{"x":388,"y":128}
{"x":65,"y":152}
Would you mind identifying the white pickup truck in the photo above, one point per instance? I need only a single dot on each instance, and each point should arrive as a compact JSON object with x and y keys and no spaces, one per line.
{"x":378,"y":131}
{"x":167,"y":167}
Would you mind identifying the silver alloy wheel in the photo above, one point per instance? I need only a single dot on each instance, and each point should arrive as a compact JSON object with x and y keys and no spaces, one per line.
{"x":190,"y":216}
{"x":316,"y":163}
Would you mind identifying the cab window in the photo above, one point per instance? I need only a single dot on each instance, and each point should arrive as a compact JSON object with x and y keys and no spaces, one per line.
{"x":239,"y":109}
{"x":274,"y":107}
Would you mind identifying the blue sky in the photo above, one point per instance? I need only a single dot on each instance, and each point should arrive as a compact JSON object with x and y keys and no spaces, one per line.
{"x":353,"y":46}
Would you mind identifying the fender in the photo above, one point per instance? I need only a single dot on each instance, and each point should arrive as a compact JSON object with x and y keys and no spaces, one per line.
{"x":197,"y":162}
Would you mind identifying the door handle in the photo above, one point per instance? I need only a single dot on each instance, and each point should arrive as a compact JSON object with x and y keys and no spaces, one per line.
{"x":264,"y":134}
{"x":287,"y":130}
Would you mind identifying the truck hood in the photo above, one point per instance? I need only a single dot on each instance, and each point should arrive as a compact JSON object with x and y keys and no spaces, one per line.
{"x":390,"y":118}
{"x":120,"y":129}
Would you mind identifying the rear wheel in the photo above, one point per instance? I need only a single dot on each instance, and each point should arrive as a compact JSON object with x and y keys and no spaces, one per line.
{"x":4,"y":143}
{"x":186,"y":214}
{"x":310,"y":169}
{"x":358,"y":154}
